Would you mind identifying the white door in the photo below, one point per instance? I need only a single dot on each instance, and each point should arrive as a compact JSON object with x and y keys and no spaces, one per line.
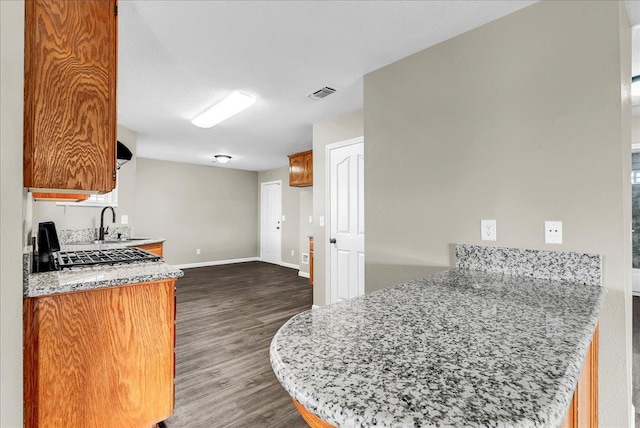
{"x":346,"y":219}
{"x":270,"y":209}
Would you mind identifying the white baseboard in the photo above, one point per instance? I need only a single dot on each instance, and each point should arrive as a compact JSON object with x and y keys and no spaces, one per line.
{"x":303,"y":274}
{"x":216,"y":263}
{"x":315,"y":307}
{"x":289,"y":265}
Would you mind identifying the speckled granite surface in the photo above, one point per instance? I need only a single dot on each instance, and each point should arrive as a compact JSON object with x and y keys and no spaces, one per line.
{"x":554,"y":265}
{"x":68,"y":236}
{"x":87,"y":278}
{"x":458,"y":348}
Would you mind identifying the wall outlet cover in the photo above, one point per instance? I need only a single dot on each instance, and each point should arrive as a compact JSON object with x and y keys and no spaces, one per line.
{"x":321,"y":220}
{"x":197,"y":250}
{"x":284,"y":218}
{"x":310,"y":219}
{"x":305,"y":258}
{"x":553,"y":232}
{"x":124,"y":219}
{"x":488,"y":230}
{"x":293,"y":253}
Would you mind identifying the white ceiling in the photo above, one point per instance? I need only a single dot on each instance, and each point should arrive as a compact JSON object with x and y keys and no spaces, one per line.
{"x":177,"y":58}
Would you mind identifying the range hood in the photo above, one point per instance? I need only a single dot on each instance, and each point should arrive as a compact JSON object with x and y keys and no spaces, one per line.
{"x":123,"y":154}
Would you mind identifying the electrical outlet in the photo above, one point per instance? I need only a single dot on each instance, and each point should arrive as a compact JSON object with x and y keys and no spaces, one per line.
{"x":197,"y":250}
{"x":553,"y":232}
{"x":488,"y":230}
{"x":124,"y":219}
{"x":321,"y":220}
{"x":310,"y":219}
{"x":293,"y":253}
{"x":284,"y":218}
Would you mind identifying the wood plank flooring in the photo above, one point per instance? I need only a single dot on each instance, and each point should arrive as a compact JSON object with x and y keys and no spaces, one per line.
{"x":226,"y":318}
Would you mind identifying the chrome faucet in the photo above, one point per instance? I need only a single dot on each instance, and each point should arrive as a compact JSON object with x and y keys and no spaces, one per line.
{"x":102,"y":230}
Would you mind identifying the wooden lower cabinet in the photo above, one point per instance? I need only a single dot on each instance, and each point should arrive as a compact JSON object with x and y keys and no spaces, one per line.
{"x":156,"y":248}
{"x":583,"y":411}
{"x":311,"y":260}
{"x":100,"y":358}
{"x":310,"y":418}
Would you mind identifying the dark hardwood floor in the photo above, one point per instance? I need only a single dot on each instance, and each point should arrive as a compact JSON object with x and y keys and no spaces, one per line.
{"x":226,"y":317}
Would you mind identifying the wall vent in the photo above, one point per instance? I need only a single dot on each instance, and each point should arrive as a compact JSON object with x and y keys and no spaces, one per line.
{"x":321,"y":93}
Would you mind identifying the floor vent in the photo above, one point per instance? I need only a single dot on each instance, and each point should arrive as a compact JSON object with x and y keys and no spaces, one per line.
{"x":321,"y":93}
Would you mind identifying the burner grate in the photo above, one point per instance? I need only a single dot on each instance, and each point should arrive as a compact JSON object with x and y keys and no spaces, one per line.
{"x":68,"y":259}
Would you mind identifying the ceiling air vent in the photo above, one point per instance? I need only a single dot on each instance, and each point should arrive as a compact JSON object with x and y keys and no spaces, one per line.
{"x":321,"y":93}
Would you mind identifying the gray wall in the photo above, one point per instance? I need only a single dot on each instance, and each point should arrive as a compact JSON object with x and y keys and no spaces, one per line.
{"x":290,"y":227}
{"x":332,"y":131}
{"x":11,"y":211}
{"x":635,"y":130}
{"x":194,"y":206}
{"x":520,"y":120}
{"x":79,"y":217}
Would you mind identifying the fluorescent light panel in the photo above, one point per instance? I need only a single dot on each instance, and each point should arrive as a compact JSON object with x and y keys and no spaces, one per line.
{"x":231,"y":105}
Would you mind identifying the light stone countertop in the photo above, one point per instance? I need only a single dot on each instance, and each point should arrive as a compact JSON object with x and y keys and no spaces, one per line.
{"x":92,"y":277}
{"x":457,"y":348}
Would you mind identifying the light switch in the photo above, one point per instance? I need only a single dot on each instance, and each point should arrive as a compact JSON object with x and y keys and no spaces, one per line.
{"x":553,"y":232}
{"x":321,"y":220}
{"x":124,"y":219}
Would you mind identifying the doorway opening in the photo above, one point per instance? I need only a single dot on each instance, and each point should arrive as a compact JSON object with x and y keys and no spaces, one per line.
{"x":270,"y":214}
{"x":345,"y":219}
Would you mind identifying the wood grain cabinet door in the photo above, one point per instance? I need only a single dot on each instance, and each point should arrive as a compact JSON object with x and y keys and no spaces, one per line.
{"x":301,"y":169}
{"x":100,"y":358}
{"x":70,"y":95}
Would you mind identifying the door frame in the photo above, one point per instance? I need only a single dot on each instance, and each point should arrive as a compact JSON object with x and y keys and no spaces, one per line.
{"x":262,"y":185}
{"x":327,"y":208}
{"x":635,"y":273}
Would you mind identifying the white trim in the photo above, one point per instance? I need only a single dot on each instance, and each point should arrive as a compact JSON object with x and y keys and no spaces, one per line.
{"x":315,"y":307}
{"x":216,"y":263}
{"x":289,"y":265}
{"x":327,"y":208}
{"x":304,"y":274}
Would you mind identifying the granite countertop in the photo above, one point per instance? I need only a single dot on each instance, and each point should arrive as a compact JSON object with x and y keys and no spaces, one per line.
{"x":457,"y":348}
{"x":91,"y":277}
{"x":88,"y":278}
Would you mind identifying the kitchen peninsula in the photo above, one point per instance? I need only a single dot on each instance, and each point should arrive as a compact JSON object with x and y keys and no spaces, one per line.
{"x":458,"y":348}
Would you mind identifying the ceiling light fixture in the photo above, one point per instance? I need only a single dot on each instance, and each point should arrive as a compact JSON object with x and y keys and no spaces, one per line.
{"x":635,"y":86}
{"x":231,"y":105}
{"x":222,"y":158}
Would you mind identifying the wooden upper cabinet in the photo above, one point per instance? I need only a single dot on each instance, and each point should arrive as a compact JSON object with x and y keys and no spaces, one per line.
{"x":70,"y":118}
{"x":301,"y":169}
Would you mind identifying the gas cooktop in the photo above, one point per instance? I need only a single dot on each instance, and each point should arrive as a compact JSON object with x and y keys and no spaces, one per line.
{"x":112,"y":256}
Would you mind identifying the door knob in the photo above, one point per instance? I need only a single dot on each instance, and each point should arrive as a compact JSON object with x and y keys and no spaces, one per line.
{"x":332,"y":240}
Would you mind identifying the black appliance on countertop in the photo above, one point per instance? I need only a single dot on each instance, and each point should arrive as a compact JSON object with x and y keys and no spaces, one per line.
{"x":46,"y":260}
{"x":49,"y":257}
